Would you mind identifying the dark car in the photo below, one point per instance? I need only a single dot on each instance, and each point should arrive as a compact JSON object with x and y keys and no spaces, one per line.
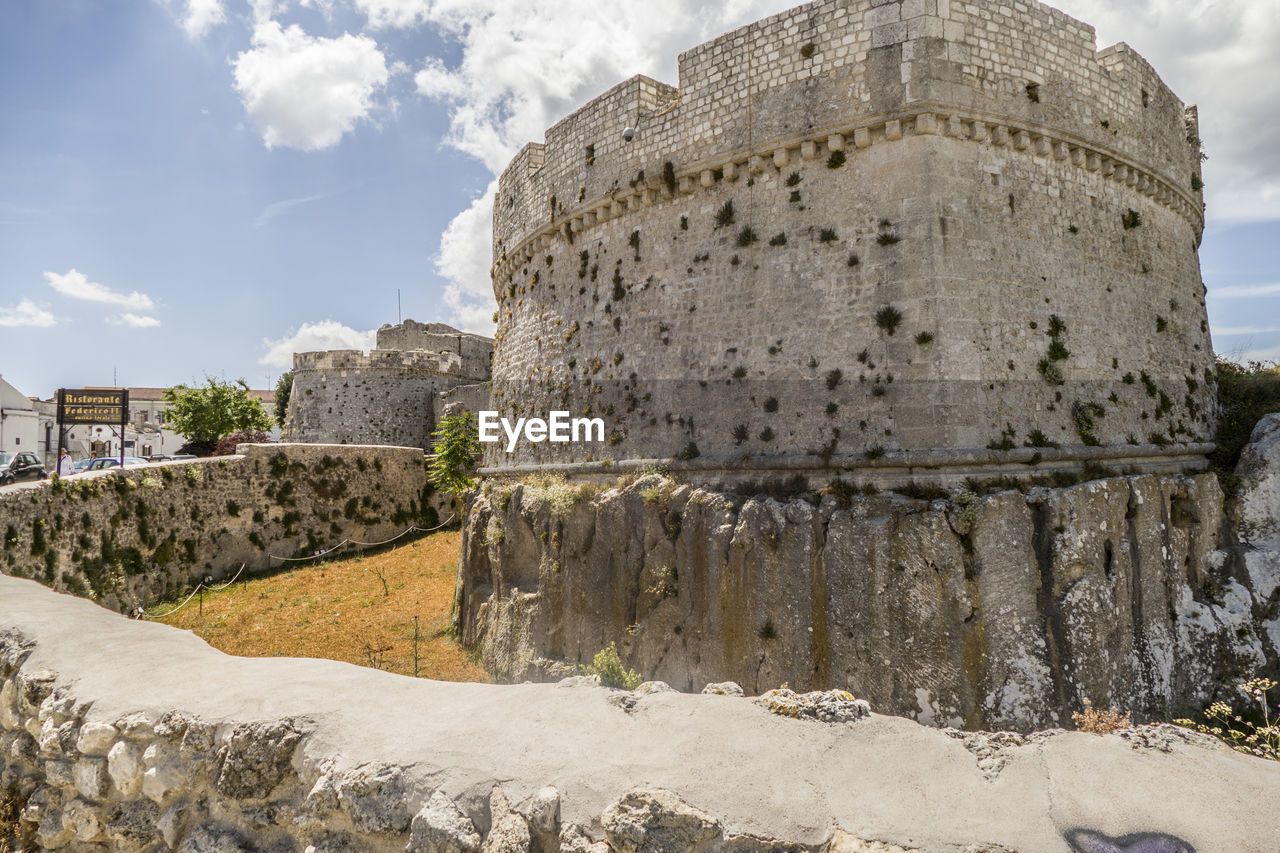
{"x":20,"y":466}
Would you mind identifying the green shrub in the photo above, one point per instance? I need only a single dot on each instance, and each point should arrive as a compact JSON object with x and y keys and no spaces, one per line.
{"x":1261,"y":739}
{"x":608,"y":666}
{"x":457,"y":446}
{"x":836,"y":160}
{"x":725,"y":216}
{"x":888,"y":318}
{"x":747,"y":236}
{"x":1245,"y":393}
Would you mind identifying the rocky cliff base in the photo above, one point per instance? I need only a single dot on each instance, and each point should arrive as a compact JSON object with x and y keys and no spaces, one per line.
{"x":1000,"y":610}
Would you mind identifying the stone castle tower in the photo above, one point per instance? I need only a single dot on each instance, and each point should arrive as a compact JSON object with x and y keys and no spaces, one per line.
{"x":904,"y":235}
{"x":394,"y":394}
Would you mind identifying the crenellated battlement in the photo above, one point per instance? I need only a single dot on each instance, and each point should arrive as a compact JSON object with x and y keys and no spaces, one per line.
{"x":856,"y":67}
{"x":858,"y":229}
{"x":385,"y":396}
{"x":445,"y":363}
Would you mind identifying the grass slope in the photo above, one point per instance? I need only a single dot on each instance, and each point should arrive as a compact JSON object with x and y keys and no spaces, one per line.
{"x":358,"y":610}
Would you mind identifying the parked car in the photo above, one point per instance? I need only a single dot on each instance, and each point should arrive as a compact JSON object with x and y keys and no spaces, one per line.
{"x":81,"y":465}
{"x":114,"y":462}
{"x":161,"y":457}
{"x":20,"y":466}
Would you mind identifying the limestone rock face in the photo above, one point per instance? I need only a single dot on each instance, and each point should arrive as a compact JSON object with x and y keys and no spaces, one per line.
{"x":256,"y":758}
{"x":1000,"y":612}
{"x":1259,"y":517}
{"x":654,"y":821}
{"x":441,"y":827}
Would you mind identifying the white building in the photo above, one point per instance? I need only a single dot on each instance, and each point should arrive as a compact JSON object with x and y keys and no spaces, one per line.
{"x":19,"y":421}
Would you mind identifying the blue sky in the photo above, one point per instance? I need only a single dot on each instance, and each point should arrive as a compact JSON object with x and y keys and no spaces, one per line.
{"x":201,"y":187}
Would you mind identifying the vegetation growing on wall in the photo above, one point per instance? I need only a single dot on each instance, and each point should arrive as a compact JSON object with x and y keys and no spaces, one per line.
{"x":456,"y":443}
{"x":1245,"y":394}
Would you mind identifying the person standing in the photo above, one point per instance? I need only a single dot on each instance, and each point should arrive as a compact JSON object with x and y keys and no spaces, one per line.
{"x":65,"y":466}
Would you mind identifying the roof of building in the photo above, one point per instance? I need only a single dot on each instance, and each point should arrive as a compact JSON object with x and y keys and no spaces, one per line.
{"x":142,"y":393}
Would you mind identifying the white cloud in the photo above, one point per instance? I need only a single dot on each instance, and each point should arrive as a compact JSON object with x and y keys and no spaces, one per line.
{"x":313,"y":337}
{"x":1235,"y":331}
{"x":464,"y":258}
{"x":1219,"y":54}
{"x":202,"y":16}
{"x":305,"y":92}
{"x":27,"y":313}
{"x":77,"y":286}
{"x":1244,"y":291}
{"x":277,"y":208}
{"x":394,"y":13}
{"x":136,"y":321}
{"x":523,"y":67}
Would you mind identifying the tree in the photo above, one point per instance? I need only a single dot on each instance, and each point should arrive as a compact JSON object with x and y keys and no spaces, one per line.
{"x":218,"y":409}
{"x":283,"y":389}
{"x":457,"y":444}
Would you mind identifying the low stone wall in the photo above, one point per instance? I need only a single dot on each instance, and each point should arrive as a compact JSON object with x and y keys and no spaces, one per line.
{"x":117,"y":735}
{"x":1003,"y":611}
{"x":125,"y":539}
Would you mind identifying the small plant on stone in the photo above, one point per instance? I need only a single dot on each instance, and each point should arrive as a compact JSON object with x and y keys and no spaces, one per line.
{"x":854,"y":260}
{"x":833,"y":378}
{"x":887,"y":239}
{"x":888,"y":318}
{"x":793,"y":179}
{"x":806,"y":52}
{"x":923,"y":338}
{"x":607,"y":665}
{"x":1033,"y":93}
{"x":725,"y":215}
{"x":1083,"y":417}
{"x":827,"y":235}
{"x":1261,"y":739}
{"x":669,"y":175}
{"x":836,"y":160}
{"x":1132,"y":219}
{"x":778,"y":240}
{"x":1100,"y":722}
{"x":747,"y":236}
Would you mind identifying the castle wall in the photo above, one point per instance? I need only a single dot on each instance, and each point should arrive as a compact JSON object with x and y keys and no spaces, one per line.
{"x":128,"y":539}
{"x":1039,"y":253}
{"x":475,"y":351}
{"x":387,"y":396}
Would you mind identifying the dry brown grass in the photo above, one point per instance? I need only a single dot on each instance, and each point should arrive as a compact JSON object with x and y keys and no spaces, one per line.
{"x":359,"y":610}
{"x":1100,"y":722}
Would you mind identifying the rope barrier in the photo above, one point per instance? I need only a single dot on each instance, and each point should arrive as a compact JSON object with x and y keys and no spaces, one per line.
{"x":230,"y":582}
{"x":321,"y":554}
{"x":199,"y":587}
